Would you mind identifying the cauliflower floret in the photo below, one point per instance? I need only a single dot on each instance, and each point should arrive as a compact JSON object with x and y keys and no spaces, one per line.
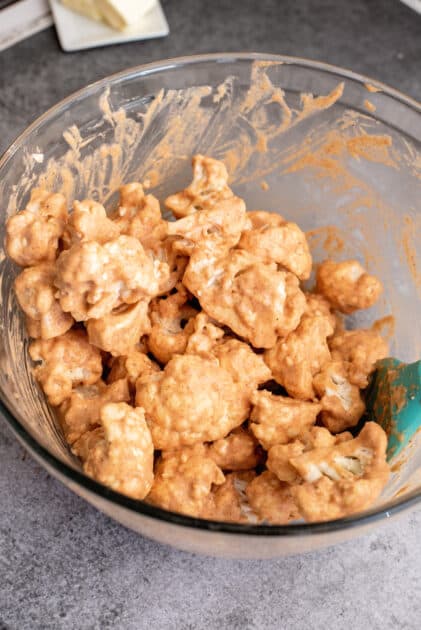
{"x":66,"y":362}
{"x":284,"y":243}
{"x":139,"y":215}
{"x":94,"y":279}
{"x":89,"y":222}
{"x":359,"y":350}
{"x":280,"y":455}
{"x":317,"y":305}
{"x":344,"y":479}
{"x":32,"y":236}
{"x":271,"y":499}
{"x":211,"y":228}
{"x":245,"y":366}
{"x":203,"y":335}
{"x":255,"y":300}
{"x":347,"y":285}
{"x":294,"y":361}
{"x":132,"y":366}
{"x":208,"y":189}
{"x":169,"y":316}
{"x":192,"y":400}
{"x":228,"y":502}
{"x":342,"y":405}
{"x":121,"y":456}
{"x":80,"y":413}
{"x":183,"y":481}
{"x":35,"y":292}
{"x":121,"y":329}
{"x":238,"y":451}
{"x":279,"y":419}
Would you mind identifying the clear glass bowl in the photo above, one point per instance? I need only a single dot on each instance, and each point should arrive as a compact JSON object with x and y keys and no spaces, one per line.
{"x":150,"y":120}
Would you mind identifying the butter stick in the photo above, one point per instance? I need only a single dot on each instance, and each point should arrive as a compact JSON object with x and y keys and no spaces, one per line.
{"x":119,"y":14}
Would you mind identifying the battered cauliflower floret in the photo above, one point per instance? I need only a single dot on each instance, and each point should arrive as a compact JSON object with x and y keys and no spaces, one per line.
{"x":228,"y":502}
{"x":342,"y":405}
{"x":359,"y":350}
{"x":122,"y":456}
{"x":255,"y":300}
{"x":169,"y":264}
{"x":168,"y":334}
{"x":66,"y":362}
{"x":280,"y":455}
{"x":238,"y":451}
{"x":284,"y":244}
{"x":93,"y":279}
{"x":271,"y":499}
{"x":89,"y":222}
{"x":279,"y":419}
{"x":139,"y":215}
{"x":347,"y":285}
{"x":120,"y":330}
{"x":131,"y":367}
{"x":32,"y":236}
{"x":245,"y":366}
{"x":81,"y":412}
{"x":317,"y":305}
{"x":210,"y":228}
{"x":184,"y":480}
{"x":203,"y":335}
{"x":294,"y":361}
{"x":192,"y":400}
{"x":35,"y":292}
{"x":344,"y":479}
{"x":208,"y":189}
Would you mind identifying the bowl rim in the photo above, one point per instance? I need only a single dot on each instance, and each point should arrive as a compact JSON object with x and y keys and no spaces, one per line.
{"x":141,"y":507}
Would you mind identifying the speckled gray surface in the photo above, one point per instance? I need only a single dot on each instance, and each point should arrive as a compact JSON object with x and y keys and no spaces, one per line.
{"x":65,"y":566}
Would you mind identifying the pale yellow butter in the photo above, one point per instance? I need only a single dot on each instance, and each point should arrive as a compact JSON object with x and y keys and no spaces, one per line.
{"x":120,"y":14}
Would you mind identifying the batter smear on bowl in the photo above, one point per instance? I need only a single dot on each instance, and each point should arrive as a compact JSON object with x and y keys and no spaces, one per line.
{"x":188,"y":365}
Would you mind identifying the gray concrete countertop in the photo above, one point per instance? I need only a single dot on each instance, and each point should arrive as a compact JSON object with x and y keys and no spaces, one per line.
{"x":64,"y":565}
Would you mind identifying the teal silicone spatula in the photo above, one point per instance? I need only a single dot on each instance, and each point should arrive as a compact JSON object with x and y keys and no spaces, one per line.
{"x":394,"y":401}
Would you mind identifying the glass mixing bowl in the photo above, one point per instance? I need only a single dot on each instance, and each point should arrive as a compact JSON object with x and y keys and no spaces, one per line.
{"x":310,"y":162}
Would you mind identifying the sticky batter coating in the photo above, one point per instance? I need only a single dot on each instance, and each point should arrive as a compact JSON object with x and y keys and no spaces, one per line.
{"x":344,"y":479}
{"x":33,"y":235}
{"x":208,"y":188}
{"x":281,"y":242}
{"x":203,"y":335}
{"x":35,"y":292}
{"x":67,"y":361}
{"x":93,"y":279}
{"x":295,"y":360}
{"x":347,"y":285}
{"x":341,"y":401}
{"x":81,"y":412}
{"x":258,"y":302}
{"x":119,"y":331}
{"x":169,"y":317}
{"x":131,"y":366}
{"x":192,"y":400}
{"x":184,"y":480}
{"x":89,"y":222}
{"x":182,"y":330}
{"x":272,"y":500}
{"x":238,"y":451}
{"x":280,"y":419}
{"x":122,"y":455}
{"x":139,"y":215}
{"x":228,"y":502}
{"x":359,"y":350}
{"x":213,"y":228}
{"x":279,"y":455}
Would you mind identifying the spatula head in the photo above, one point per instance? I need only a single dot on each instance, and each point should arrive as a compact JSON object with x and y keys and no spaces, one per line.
{"x":394,"y":401}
